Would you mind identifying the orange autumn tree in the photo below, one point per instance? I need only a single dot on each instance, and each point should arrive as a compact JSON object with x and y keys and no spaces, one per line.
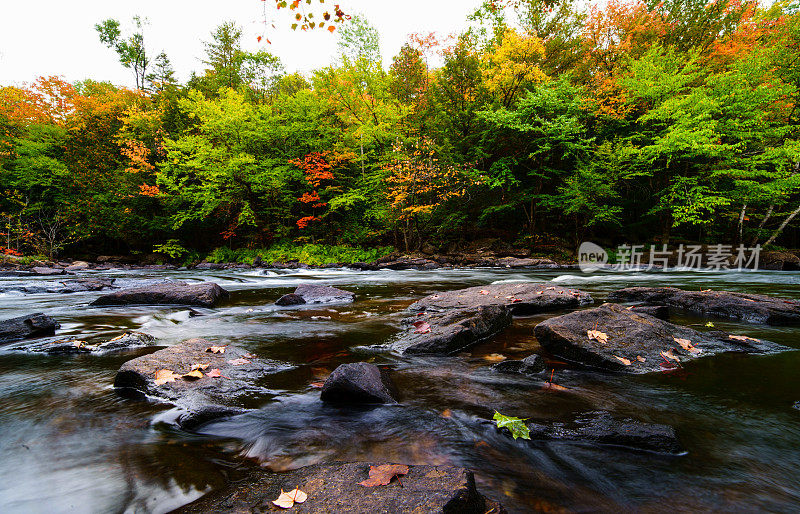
{"x":318,"y":170}
{"x":418,"y":185}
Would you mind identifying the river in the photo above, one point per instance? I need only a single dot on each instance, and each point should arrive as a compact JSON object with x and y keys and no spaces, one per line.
{"x":71,"y":444}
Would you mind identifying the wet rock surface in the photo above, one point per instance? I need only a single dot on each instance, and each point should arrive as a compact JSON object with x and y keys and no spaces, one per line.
{"x":203,"y":294}
{"x":312,"y":294}
{"x":751,"y":308}
{"x":25,"y":327}
{"x":79,"y":285}
{"x":449,"y":322}
{"x":75,"y":346}
{"x":239,"y":375}
{"x":636,"y":343}
{"x":333,"y":488}
{"x":600,"y":427}
{"x":356,"y":383}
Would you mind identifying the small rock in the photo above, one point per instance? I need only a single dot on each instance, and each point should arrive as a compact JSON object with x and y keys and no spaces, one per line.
{"x":77,"y":266}
{"x":73,"y":345}
{"x":312,"y":294}
{"x":358,"y":382}
{"x":39,"y":270}
{"x":25,"y":327}
{"x":601,"y":427}
{"x":203,"y":294}
{"x":531,"y":365}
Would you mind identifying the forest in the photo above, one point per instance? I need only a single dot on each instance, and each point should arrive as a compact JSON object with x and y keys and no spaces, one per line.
{"x":544,"y":123}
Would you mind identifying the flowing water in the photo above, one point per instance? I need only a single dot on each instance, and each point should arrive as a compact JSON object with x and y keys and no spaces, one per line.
{"x":68,"y":443}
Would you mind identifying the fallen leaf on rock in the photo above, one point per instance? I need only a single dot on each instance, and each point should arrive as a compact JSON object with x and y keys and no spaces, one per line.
{"x":79,"y":344}
{"x":200,"y":366}
{"x":549,"y":288}
{"x":640,"y":358}
{"x":741,"y":338}
{"x":669,"y":355}
{"x":287,"y":500}
{"x":598,"y":336}
{"x":516,"y":300}
{"x":687,"y":345}
{"x":706,"y":291}
{"x":421,"y":327}
{"x":193,"y":375}
{"x":317,"y":385}
{"x":554,"y":387}
{"x":495,"y":357}
{"x":165,"y":375}
{"x":623,"y":360}
{"x":514,"y":425}
{"x":383,"y":474}
{"x":447,"y":413}
{"x":709,"y":325}
{"x":238,"y":362}
{"x":214,"y":373}
{"x":216,"y":349}
{"x":483,"y":291}
{"x":118,"y":338}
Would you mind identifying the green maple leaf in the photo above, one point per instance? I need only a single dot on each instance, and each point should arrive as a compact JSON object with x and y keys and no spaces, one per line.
{"x":514,"y":425}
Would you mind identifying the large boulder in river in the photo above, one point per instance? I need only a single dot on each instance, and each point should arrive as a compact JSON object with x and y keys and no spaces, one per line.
{"x":203,"y":294}
{"x":449,"y":322}
{"x":778,"y":261}
{"x":617,"y":338}
{"x":236,"y":377}
{"x":313,"y":294}
{"x":358,"y":382}
{"x":752,"y":308}
{"x":25,"y":327}
{"x":337,"y":487}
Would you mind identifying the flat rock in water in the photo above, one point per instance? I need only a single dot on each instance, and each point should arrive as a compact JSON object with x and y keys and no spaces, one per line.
{"x":203,"y":294}
{"x":358,"y":382}
{"x":751,"y":308}
{"x":449,"y":322}
{"x":311,"y":294}
{"x":334,"y":488}
{"x":86,"y":284}
{"x":601,"y":427}
{"x":239,"y":371}
{"x":25,"y":327}
{"x":631,"y":342}
{"x":39,"y":270}
{"x":75,"y":346}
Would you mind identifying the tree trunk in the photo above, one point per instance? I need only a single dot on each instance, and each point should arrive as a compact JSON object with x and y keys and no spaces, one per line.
{"x":761,"y":225}
{"x":788,"y":220}
{"x":741,"y":224}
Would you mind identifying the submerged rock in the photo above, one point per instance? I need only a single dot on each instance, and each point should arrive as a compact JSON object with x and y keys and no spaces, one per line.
{"x":752,"y":308}
{"x":450,"y":322}
{"x":635,"y":343}
{"x":531,"y":365}
{"x":25,"y":327}
{"x":126,"y":341}
{"x":336,"y":488}
{"x":601,"y":427}
{"x":312,"y":294}
{"x":67,"y":286}
{"x":239,"y":372}
{"x":358,"y":382}
{"x":203,"y":294}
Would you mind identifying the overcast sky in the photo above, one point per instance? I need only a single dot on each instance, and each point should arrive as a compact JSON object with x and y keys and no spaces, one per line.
{"x":57,"y":37}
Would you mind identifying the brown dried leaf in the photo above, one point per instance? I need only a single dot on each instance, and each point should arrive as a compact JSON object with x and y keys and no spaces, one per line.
{"x":483,"y":291}
{"x":495,"y":357}
{"x":640,"y":358}
{"x":165,"y":375}
{"x":687,"y":345}
{"x":383,"y":474}
{"x":623,"y":360}
{"x":287,"y":500}
{"x":214,"y":373}
{"x":193,"y":375}
{"x":741,"y":338}
{"x":238,"y":362}
{"x":200,"y":366}
{"x":554,"y":387}
{"x":669,"y":355}
{"x":421,"y":327}
{"x":216,"y":349}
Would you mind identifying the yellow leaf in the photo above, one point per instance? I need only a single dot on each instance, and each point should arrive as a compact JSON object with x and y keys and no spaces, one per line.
{"x":165,"y":375}
{"x":195,"y":374}
{"x":495,"y":357}
{"x":598,"y":336}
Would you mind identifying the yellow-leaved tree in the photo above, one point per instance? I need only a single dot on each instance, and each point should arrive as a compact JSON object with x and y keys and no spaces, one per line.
{"x":513,"y":64}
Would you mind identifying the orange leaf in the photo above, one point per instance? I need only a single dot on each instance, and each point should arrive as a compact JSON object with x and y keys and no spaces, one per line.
{"x":238,"y":362}
{"x":165,"y":375}
{"x":382,"y":475}
{"x":216,"y":349}
{"x":422,"y":327}
{"x":193,"y":375}
{"x":687,"y":345}
{"x":623,"y":360}
{"x":598,"y":336}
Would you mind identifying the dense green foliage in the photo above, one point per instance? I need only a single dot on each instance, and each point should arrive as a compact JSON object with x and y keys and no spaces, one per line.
{"x":543,"y":124}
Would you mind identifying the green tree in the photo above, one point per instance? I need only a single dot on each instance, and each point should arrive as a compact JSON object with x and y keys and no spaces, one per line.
{"x":131,"y":50}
